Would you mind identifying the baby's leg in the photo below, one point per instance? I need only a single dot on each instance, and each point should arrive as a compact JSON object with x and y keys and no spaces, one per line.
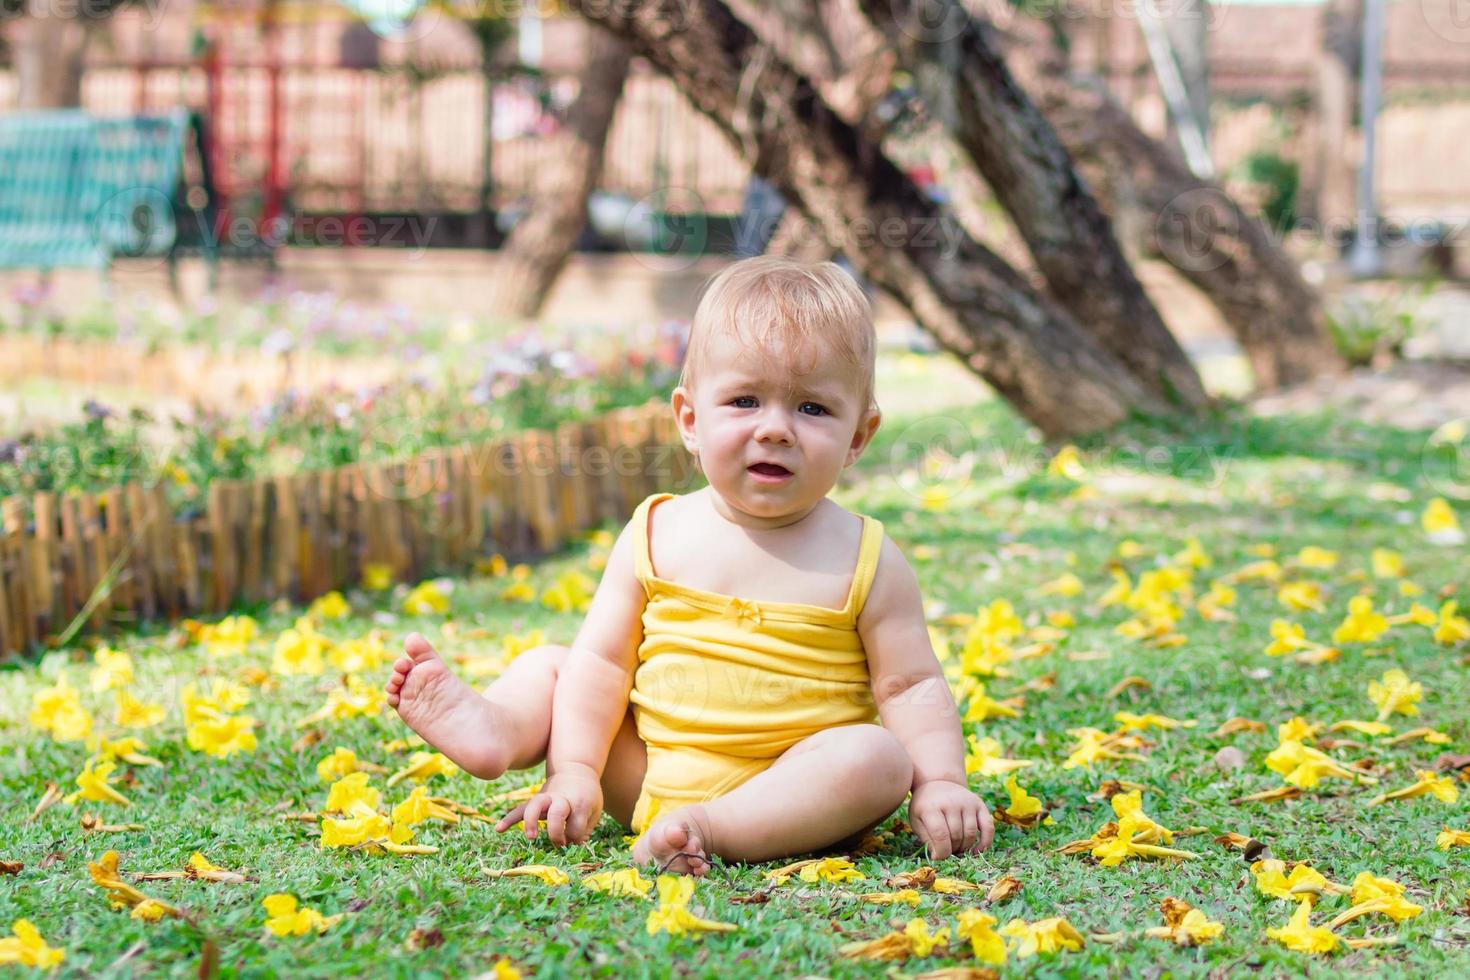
{"x":824,"y":789}
{"x":505,"y":728}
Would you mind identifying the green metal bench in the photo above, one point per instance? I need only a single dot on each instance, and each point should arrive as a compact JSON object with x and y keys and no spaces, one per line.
{"x":78,"y":190}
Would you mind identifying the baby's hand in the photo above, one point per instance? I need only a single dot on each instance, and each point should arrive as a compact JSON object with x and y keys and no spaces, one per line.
{"x":571,"y":803}
{"x":950,"y":819}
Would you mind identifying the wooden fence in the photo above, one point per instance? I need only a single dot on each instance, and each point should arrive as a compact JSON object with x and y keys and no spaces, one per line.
{"x":134,"y":558}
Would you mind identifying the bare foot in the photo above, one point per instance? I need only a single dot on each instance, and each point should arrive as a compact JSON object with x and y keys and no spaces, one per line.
{"x":677,"y":843}
{"x":446,"y":712}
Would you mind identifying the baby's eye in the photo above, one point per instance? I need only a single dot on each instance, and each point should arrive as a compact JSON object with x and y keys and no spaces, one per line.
{"x":812,"y":408}
{"x":744,"y":401}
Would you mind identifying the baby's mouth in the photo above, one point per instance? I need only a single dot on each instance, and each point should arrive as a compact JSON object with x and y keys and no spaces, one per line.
{"x":769,"y":469}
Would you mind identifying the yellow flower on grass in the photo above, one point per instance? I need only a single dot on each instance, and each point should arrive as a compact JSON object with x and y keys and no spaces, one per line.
{"x":1377,"y":896}
{"x":359,"y":655}
{"x":1370,"y":728}
{"x":129,"y":750}
{"x":95,"y":784}
{"x":25,"y":947}
{"x":1301,"y":765}
{"x":836,"y":870}
{"x":299,"y":651}
{"x":986,"y":758}
{"x":491,"y":567}
{"x":223,"y":698}
{"x":1449,"y":838}
{"x":365,"y":828}
{"x":354,"y":699}
{"x":1362,"y":624}
{"x":1131,"y":722}
{"x":1193,"y":555}
{"x":1300,"y":935}
{"x":58,"y":710}
{"x":978,"y":928}
{"x":132,"y":713}
{"x":1304,"y":884}
{"x":114,"y":669}
{"x":571,"y":592}
{"x":1451,"y":629}
{"x":673,"y":915}
{"x":982,"y":707}
{"x":1394,"y":693}
{"x":622,"y":883}
{"x":426,"y":599}
{"x":905,"y":896}
{"x":1067,"y":463}
{"x":377,"y":577}
{"x":518,"y":592}
{"x":1184,"y":925}
{"x":120,"y":894}
{"x":1298,"y":730}
{"x":287,"y":918}
{"x":422,"y":766}
{"x":228,"y":637}
{"x":419,"y":806}
{"x":1302,"y":596}
{"x":1043,"y":936}
{"x":544,"y":873}
{"x":1263,"y":571}
{"x":351,"y":789}
{"x":1066,"y":584}
{"x":1440,"y":523}
{"x":1094,"y":745}
{"x":1024,"y":808}
{"x":1387,"y":563}
{"x":341,"y":762}
{"x":1429,"y":783}
{"x":222,"y":735}
{"x":1315,"y":557}
{"x":330,"y":606}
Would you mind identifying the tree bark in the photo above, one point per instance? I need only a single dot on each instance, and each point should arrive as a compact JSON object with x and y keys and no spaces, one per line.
{"x":1225,"y":253}
{"x":541,"y":243}
{"x":967,"y":86}
{"x":1029,"y":350}
{"x":47,"y":49}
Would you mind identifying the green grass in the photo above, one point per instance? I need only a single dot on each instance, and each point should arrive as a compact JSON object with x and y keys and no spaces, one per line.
{"x":1006,"y":531}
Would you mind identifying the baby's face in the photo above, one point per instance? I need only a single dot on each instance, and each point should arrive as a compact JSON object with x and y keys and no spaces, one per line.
{"x":771,"y":439}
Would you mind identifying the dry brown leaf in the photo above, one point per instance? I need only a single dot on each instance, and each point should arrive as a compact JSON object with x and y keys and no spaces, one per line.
{"x":311,"y":737}
{"x":11,"y":867}
{"x":1127,"y":682}
{"x":1174,"y":910}
{"x":752,"y":898}
{"x":55,"y":857}
{"x":423,"y":939}
{"x":1004,"y":888}
{"x":918,"y":878}
{"x":92,"y":824}
{"x":960,"y":973}
{"x":1045,"y":682}
{"x":49,"y":798}
{"x":1235,"y":725}
{"x":894,"y":946}
{"x":1270,"y":795}
{"x":1446,"y":761}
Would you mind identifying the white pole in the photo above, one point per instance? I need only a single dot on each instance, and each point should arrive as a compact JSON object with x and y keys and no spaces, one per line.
{"x":1366,"y":258}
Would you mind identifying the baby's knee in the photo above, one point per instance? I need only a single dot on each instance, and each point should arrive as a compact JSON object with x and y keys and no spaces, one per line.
{"x":880,"y":760}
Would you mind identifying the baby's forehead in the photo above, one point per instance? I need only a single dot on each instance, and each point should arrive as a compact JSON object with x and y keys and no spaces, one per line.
{"x":773,"y":360}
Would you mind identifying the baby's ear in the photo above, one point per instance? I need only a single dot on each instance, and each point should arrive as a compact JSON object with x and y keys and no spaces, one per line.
{"x":682,"y":402}
{"x":867,"y":428}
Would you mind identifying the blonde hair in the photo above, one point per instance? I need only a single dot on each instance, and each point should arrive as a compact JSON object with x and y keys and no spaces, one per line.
{"x":767,"y":299}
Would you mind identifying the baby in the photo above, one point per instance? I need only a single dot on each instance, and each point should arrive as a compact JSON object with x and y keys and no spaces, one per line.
{"x":723,"y":694}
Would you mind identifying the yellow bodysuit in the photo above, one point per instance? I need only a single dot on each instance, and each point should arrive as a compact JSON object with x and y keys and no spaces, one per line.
{"x":725,"y":685}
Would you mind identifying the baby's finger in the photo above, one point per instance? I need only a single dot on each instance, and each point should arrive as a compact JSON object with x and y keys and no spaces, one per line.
{"x":987,"y":827}
{"x":556,"y":821}
{"x":954,"y":820}
{"x":510,"y":819}
{"x":972,"y":830}
{"x":534,"y":811}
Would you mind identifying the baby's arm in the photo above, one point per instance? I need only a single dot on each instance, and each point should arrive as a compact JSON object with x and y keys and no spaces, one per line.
{"x":916,"y":706}
{"x":588,"y":706}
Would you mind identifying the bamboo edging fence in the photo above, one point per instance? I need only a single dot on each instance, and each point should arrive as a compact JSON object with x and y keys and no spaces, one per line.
{"x":299,"y":536}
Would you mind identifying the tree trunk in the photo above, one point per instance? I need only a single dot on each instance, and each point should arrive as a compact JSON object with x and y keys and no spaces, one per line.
{"x":47,"y":49}
{"x":541,"y":243}
{"x":1338,"y":67}
{"x":1224,"y":252}
{"x":967,"y":86}
{"x":974,"y":304}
